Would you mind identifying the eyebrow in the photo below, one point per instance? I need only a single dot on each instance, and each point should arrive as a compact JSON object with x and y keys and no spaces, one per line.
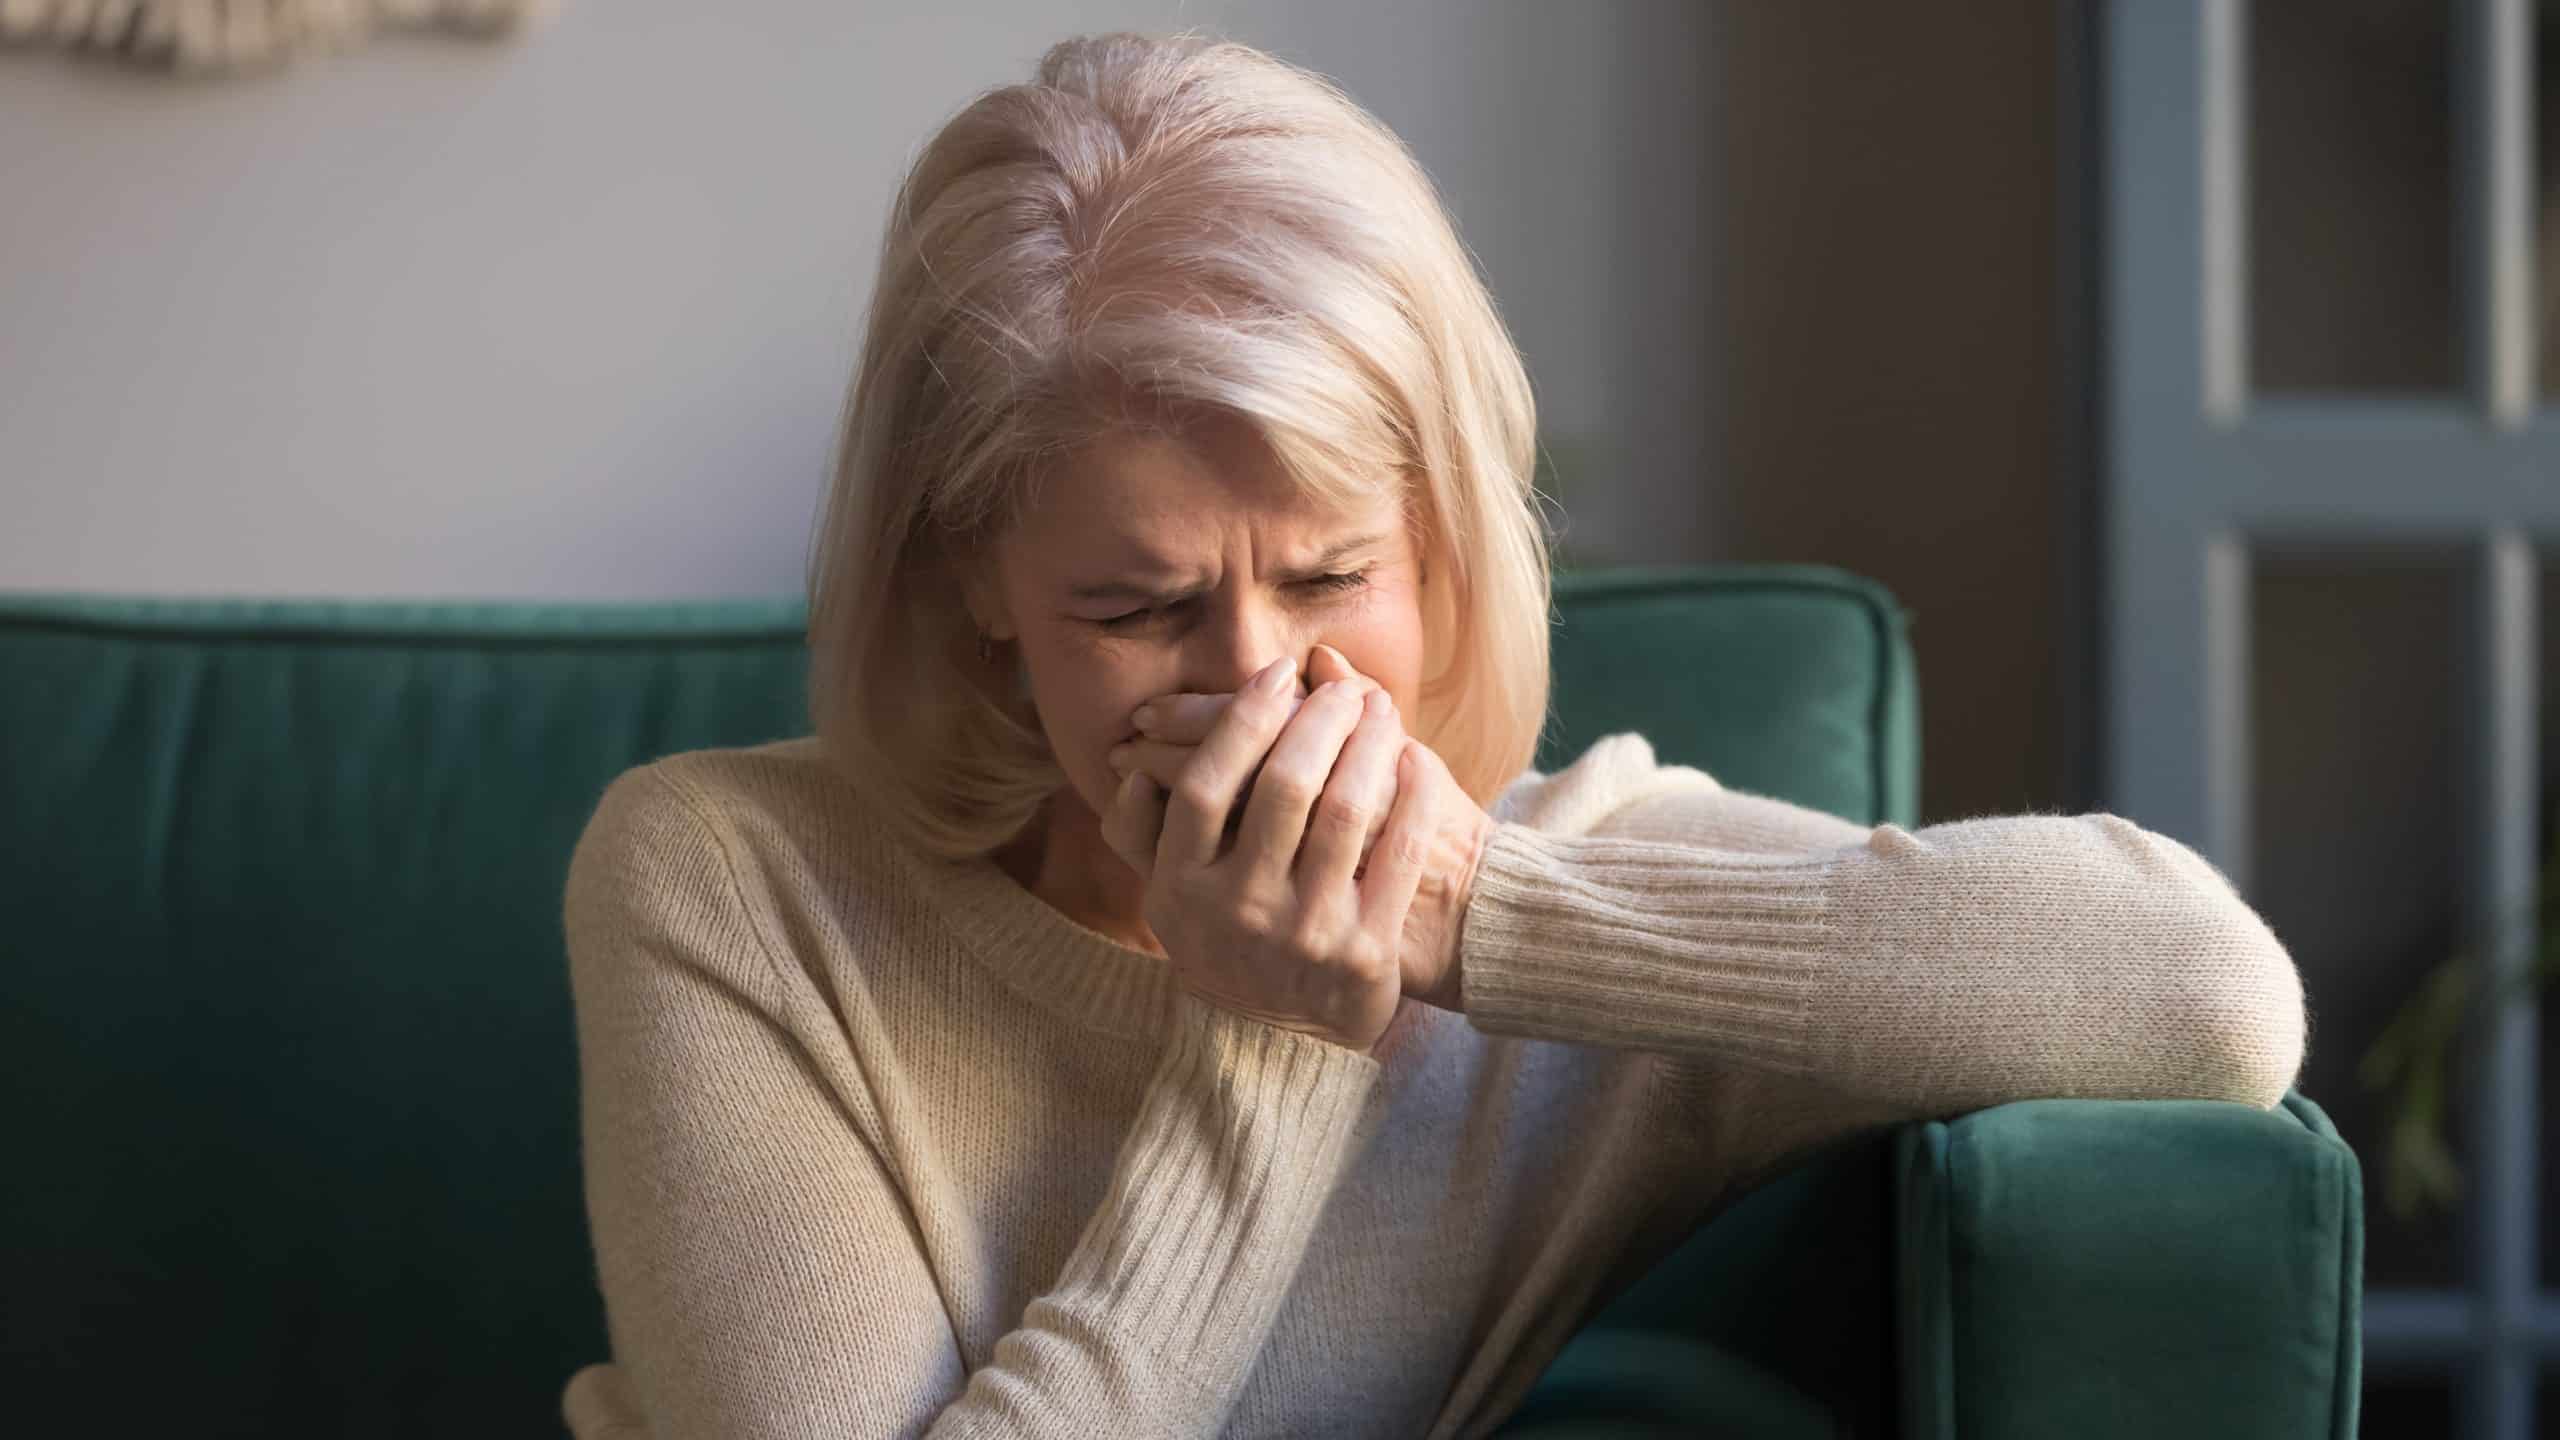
{"x":1324,"y":560}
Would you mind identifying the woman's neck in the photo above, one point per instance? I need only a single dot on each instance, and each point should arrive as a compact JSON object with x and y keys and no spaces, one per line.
{"x":1061,"y":858}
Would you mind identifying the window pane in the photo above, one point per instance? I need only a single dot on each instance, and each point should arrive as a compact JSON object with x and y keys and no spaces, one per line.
{"x":2350,"y":181}
{"x":2353,"y":704}
{"x":2546,"y":162}
{"x":2406,"y":1405}
{"x":2547,"y":832}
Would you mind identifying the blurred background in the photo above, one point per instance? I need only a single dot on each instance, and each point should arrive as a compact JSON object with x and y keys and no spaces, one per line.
{"x":2179,"y":365}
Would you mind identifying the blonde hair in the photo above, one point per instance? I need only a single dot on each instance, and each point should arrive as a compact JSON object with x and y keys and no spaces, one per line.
{"x":1190,"y":226}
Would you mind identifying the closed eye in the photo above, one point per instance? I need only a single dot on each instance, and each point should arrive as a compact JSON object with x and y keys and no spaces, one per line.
{"x":1323,"y":586}
{"x":1134,"y":618}
{"x":1336,"y":584}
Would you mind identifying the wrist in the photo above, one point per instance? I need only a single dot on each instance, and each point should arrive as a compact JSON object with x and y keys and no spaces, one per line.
{"x":1468,"y":844}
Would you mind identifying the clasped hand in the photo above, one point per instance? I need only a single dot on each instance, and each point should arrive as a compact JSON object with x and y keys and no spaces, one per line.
{"x":1307,"y":862}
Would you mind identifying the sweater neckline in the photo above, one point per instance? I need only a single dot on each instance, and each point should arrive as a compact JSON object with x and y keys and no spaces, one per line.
{"x":1047,"y":956}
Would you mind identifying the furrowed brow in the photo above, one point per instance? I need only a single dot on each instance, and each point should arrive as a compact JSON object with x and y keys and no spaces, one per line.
{"x":1129,"y":590}
{"x":1333,"y":554}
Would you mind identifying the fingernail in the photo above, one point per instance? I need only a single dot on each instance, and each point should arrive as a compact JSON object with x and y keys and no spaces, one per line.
{"x":1145,"y":718}
{"x":1122,"y":759}
{"x":1275,"y":677}
{"x":1377,"y":703}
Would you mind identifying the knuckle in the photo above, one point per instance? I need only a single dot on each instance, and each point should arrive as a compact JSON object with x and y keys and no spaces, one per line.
{"x":1345,"y":813}
{"x":1363,"y":959}
{"x":1289,"y":787}
{"x":1196,"y":791}
{"x":1260,"y":919}
{"x":1410,"y":848}
{"x":1315,"y":935}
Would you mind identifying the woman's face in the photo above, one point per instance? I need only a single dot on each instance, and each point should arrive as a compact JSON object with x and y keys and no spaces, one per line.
{"x":1153,"y":564}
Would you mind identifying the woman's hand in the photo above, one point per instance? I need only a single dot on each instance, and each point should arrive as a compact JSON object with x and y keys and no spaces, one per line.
{"x":1453,"y":827}
{"x":1283,"y":924}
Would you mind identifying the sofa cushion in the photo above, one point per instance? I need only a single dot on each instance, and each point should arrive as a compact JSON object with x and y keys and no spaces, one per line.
{"x":287,"y":988}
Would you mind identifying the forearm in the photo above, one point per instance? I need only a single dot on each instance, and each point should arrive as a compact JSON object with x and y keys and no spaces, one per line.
{"x":1158,"y":1313}
{"x":1939,"y":971}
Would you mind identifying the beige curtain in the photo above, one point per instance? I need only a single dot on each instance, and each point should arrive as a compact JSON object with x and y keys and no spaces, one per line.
{"x":218,"y":35}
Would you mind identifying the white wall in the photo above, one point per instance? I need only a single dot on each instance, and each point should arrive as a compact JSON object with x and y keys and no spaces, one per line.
{"x":573,"y":317}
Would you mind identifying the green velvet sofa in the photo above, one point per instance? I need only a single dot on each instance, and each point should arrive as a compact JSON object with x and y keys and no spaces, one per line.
{"x":293,"y":1144}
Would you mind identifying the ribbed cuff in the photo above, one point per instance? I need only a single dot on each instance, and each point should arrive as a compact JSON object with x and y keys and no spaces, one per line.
{"x":1244,"y":1131}
{"x":1640,"y":945}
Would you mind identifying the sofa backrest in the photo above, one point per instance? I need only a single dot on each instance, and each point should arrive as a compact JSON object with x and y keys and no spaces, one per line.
{"x":290,"y":1039}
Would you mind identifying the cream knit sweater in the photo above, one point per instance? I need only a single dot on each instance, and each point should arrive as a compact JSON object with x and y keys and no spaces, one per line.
{"x":880,"y":1145}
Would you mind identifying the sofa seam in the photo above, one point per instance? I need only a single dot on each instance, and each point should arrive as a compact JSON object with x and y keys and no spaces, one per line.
{"x":461,"y":638}
{"x":1879,"y":715}
{"x":2345,"y":1388}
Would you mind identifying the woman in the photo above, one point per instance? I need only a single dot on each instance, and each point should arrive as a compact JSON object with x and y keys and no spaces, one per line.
{"x":1160,"y":1000}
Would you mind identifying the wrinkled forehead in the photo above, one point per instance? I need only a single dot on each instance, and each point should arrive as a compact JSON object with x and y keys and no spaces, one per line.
{"x":1171,"y":500}
{"x":1211,"y":475}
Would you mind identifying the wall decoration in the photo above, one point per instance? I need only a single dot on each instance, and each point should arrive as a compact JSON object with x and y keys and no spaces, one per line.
{"x":217,"y":36}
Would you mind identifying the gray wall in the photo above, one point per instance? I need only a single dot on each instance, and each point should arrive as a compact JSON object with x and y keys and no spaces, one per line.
{"x":572,"y":318}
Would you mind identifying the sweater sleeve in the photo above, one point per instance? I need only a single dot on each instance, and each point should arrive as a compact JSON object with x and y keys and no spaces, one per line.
{"x":761,"y":1271}
{"x":1875,"y":973}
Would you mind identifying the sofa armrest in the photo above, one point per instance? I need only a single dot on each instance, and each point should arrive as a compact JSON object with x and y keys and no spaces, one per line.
{"x":2128,"y":1268}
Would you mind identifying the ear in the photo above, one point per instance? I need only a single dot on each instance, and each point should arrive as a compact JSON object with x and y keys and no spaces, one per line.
{"x":981,"y":590}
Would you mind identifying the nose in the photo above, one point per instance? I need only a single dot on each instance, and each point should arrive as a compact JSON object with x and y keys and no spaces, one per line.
{"x":1235,"y":641}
